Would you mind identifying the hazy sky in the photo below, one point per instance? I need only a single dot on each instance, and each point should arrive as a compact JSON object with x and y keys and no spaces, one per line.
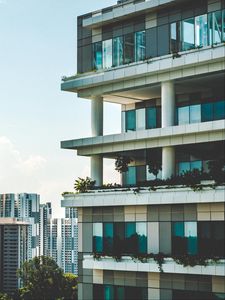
{"x":37,"y":48}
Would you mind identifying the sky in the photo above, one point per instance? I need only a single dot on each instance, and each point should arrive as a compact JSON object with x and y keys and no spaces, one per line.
{"x":37,"y":48}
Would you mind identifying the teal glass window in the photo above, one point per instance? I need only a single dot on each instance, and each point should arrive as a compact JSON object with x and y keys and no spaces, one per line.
{"x":128,"y":48}
{"x":108,"y":292}
{"x":119,"y":293}
{"x":108,"y":237}
{"x":117,"y":51}
{"x":178,"y":240}
{"x":107,"y":54}
{"x":140,"y":45}
{"x":97,"y":56}
{"x":196,"y":165}
{"x":219,"y":110}
{"x":207,"y":112}
{"x":141,"y":231}
{"x":195,"y":113}
{"x":140,"y":174}
{"x":151,"y":117}
{"x":130,"y":176}
{"x":188,"y":34}
{"x":183,"y":167}
{"x":201,"y":31}
{"x":130,"y":120}
{"x":97,"y":237}
{"x":183,"y":115}
{"x":215,"y":27}
{"x":191,"y":238}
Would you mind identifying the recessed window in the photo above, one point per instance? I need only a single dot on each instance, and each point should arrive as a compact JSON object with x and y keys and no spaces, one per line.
{"x":201,"y":31}
{"x":130,"y":120}
{"x":188,"y":34}
{"x":117,"y":51}
{"x":129,"y":48}
{"x":140,"y":45}
{"x":97,"y":56}
{"x":107,"y":54}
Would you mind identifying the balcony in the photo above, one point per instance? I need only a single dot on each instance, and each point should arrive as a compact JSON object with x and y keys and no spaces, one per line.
{"x":145,"y":196}
{"x":170,"y":266}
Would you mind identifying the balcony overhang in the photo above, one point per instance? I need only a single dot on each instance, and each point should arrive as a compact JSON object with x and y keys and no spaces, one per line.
{"x":151,"y":138}
{"x":163,"y":195}
{"x":123,"y":11}
{"x":169,"y":266}
{"x":191,"y":63}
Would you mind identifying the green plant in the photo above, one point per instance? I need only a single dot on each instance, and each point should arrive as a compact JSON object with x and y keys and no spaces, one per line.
{"x":82,"y":185}
{"x":121,"y":163}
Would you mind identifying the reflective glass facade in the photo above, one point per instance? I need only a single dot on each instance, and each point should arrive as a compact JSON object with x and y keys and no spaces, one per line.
{"x":120,"y":238}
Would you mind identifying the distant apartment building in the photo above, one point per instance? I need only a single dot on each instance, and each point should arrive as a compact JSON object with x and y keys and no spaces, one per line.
{"x":62,"y":243}
{"x":13,"y":252}
{"x":45,"y":217}
{"x":25,"y":207}
{"x":163,"y":62}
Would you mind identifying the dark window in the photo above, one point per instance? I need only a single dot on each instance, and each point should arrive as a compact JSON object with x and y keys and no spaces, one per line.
{"x":151,"y":117}
{"x":207,"y":112}
{"x":219,"y":110}
{"x":128,"y":48}
{"x":108,"y":237}
{"x":97,"y":56}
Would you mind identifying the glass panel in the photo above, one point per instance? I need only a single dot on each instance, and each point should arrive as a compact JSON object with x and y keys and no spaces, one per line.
{"x":117,"y":51}
{"x":191,"y":236}
{"x":188,"y":34}
{"x":107,"y":54}
{"x":97,"y":238}
{"x":195,"y":113}
{"x":196,"y":165}
{"x":151,"y":117}
{"x":178,"y":240}
{"x":183,"y":167}
{"x":141,"y":173}
{"x":218,"y":241}
{"x":97,"y":56}
{"x":131,"y":176}
{"x":219,"y":110}
{"x":128,"y":48}
{"x":201,"y":31}
{"x":204,"y":238}
{"x":141,"y":231}
{"x":108,"y":292}
{"x":108,"y":238}
{"x":119,"y":293}
{"x":98,"y":292}
{"x":223,"y":25}
{"x":183,"y":115}
{"x":174,"y":37}
{"x":139,"y":45}
{"x":207,"y":112}
{"x":131,"y":238}
{"x":119,"y":232}
{"x":140,"y":119}
{"x":215,"y":27}
{"x":130,"y":120}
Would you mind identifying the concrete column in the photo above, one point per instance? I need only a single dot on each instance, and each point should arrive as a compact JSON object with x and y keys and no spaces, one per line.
{"x":168,"y":103}
{"x":97,"y":116}
{"x":168,"y":162}
{"x":168,"y":119}
{"x":97,"y":169}
{"x":97,"y":130}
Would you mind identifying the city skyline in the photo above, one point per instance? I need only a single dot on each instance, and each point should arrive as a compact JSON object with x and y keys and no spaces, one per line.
{"x":37,"y":42}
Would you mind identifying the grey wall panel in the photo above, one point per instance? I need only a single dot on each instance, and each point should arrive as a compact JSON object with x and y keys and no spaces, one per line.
{"x":87,"y":291}
{"x":128,"y":28}
{"x":142,"y":279}
{"x":108,"y":277}
{"x":165,"y":294}
{"x":163,"y":39}
{"x":165,"y":237}
{"x":87,"y":58}
{"x":153,"y":213}
{"x":87,"y":237}
{"x":151,"y":42}
{"x":107,"y":33}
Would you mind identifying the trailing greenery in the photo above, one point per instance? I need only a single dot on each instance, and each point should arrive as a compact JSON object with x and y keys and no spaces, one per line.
{"x":5,"y":297}
{"x":159,"y":258}
{"x":82,"y":185}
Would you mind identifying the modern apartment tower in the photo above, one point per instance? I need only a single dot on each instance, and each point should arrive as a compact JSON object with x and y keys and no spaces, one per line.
{"x":25,"y":207}
{"x":163,"y":62}
{"x":13,"y":252}
{"x":45,"y":217}
{"x":62,"y":243}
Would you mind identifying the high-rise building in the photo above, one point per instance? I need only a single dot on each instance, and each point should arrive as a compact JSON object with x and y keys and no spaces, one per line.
{"x":24,"y":206}
{"x":45,"y":217}
{"x":13,"y":252}
{"x":62,"y":243}
{"x":163,"y":63}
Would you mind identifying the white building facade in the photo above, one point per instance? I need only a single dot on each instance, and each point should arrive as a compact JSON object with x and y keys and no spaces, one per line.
{"x":163,"y":62}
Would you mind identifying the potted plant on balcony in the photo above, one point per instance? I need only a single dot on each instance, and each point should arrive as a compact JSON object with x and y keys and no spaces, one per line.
{"x":82,"y":185}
